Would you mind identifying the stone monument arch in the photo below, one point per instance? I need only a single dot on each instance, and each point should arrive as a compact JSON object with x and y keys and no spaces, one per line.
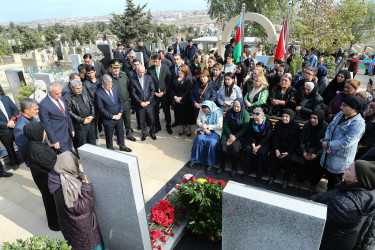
{"x":249,"y":16}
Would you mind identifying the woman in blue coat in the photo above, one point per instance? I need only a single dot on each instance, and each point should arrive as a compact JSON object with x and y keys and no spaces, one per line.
{"x":202,"y":91}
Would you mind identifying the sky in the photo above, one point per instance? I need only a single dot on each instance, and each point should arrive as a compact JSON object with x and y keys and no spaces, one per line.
{"x":29,"y":10}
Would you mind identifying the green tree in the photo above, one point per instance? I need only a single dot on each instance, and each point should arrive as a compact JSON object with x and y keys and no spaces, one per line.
{"x":5,"y":46}
{"x":59,"y":28}
{"x":77,"y":34}
{"x":50,"y":35}
{"x":133,"y":24}
{"x":40,"y":28}
{"x":89,"y":33}
{"x":2,"y":29}
{"x":11,"y":26}
{"x":30,"y":39}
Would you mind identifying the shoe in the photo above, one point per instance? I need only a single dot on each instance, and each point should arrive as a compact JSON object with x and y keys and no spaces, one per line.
{"x":181,"y":133}
{"x":157,"y":130}
{"x":209,"y":167}
{"x":233,"y":173}
{"x":270,"y":181}
{"x":245,"y":173}
{"x":138,"y":127}
{"x":143,"y":137}
{"x":285,"y":184}
{"x":54,"y":228}
{"x":125,"y":148}
{"x":133,"y":111}
{"x":16,"y":166}
{"x":219,"y":171}
{"x":174,"y":125}
{"x":169,"y":130}
{"x":98,"y":143}
{"x":312,"y":189}
{"x":112,"y":149}
{"x":131,"y":138}
{"x":191,"y":165}
{"x":297,"y":184}
{"x":153,"y":136}
{"x":5,"y":174}
{"x":188,"y":134}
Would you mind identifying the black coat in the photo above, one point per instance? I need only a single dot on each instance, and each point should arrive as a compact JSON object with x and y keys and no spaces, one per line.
{"x":41,"y":159}
{"x":182,"y":89}
{"x":262,"y":138}
{"x":75,"y":110}
{"x":78,"y":224}
{"x":315,"y":101}
{"x":289,"y":97}
{"x":347,"y":210}
{"x":310,"y":143}
{"x":228,"y":50}
{"x":165,"y":78}
{"x":284,"y":137}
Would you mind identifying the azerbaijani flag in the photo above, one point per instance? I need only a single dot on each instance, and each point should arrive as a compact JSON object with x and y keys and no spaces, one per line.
{"x":371,"y":67}
{"x":365,"y":63}
{"x":237,"y":44}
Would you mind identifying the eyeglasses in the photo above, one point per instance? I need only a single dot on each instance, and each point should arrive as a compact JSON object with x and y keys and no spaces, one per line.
{"x":308,"y":73}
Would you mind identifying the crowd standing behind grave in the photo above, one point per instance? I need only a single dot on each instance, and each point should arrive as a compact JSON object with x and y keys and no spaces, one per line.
{"x":232,"y":106}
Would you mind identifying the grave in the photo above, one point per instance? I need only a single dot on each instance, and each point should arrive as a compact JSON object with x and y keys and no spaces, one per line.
{"x":47,"y":78}
{"x":262,"y":219}
{"x":107,"y":53}
{"x":76,"y":60}
{"x":15,"y":77}
{"x":139,"y":56}
{"x":65,"y":54}
{"x":58,"y":46}
{"x":119,"y":202}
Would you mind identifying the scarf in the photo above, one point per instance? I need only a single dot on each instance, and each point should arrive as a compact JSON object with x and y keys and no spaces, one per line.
{"x":67,"y":165}
{"x":215,"y":112}
{"x":234,"y":118}
{"x":259,"y":128}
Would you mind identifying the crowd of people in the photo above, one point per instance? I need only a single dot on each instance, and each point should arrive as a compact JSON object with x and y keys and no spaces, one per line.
{"x":232,"y":106}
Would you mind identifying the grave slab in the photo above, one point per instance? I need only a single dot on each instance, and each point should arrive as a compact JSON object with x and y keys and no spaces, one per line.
{"x":255,"y":218}
{"x":76,"y":61}
{"x":15,"y":77}
{"x":119,"y":202}
{"x":47,"y":78}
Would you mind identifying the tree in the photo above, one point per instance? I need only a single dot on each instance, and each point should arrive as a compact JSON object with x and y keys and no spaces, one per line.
{"x":40,"y":28}
{"x":325,"y":24}
{"x":133,"y":24}
{"x":77,"y":34}
{"x":30,"y":39}
{"x":59,"y":28}
{"x":5,"y":46}
{"x":11,"y":26}
{"x":2,"y":29}
{"x":89,"y":33}
{"x":50,"y":35}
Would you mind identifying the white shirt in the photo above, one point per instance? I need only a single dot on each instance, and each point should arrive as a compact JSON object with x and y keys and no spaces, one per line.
{"x":2,"y":107}
{"x":141,"y":82}
{"x":55,"y":102}
{"x":108,"y":91}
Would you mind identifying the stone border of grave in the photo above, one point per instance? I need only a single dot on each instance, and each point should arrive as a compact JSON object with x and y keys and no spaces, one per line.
{"x":179,"y":232}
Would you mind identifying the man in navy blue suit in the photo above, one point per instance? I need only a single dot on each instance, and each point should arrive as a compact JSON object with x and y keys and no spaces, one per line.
{"x":110,"y":105}
{"x":56,"y":120}
{"x":142,"y":91}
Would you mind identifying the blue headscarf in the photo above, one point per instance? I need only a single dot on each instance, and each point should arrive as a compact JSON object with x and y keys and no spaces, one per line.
{"x":322,"y":71}
{"x":234,"y":118}
{"x":215,"y":112}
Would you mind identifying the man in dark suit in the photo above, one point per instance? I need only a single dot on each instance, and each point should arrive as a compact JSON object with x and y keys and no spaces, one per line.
{"x":118,"y":53}
{"x":56,"y":119}
{"x":169,"y":54}
{"x":29,"y":111}
{"x":162,"y":77}
{"x":110,"y":105}
{"x":177,"y":48}
{"x":99,"y":68}
{"x":142,"y":91}
{"x":177,"y":62}
{"x":8,"y":117}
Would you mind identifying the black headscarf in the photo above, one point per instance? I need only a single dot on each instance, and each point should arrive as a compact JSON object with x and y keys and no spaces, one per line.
{"x":333,"y":87}
{"x":365,"y":172}
{"x":355,"y":102}
{"x":234,"y":118}
{"x":290,"y":113}
{"x":316,"y":130}
{"x":34,"y":131}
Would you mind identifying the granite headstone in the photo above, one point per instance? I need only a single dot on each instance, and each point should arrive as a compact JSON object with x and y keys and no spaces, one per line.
{"x":76,"y":60}
{"x":47,"y":78}
{"x":255,"y":218}
{"x":139,"y":56}
{"x":119,"y":202}
{"x":15,"y":77}
{"x":58,"y":46}
{"x":107,"y":52}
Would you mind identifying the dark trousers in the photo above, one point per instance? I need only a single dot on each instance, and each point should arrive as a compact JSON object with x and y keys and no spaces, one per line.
{"x":277,"y":163}
{"x":110,"y":126}
{"x":256,"y":161}
{"x":85,"y":135}
{"x":146,"y":115}
{"x":332,"y":178}
{"x":233,"y":150}
{"x":311,"y":171}
{"x":7,"y":141}
{"x":97,"y":123}
{"x":165,"y":104}
{"x":127,"y":119}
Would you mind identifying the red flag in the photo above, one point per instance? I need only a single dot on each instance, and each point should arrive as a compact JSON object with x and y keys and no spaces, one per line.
{"x":281,"y":45}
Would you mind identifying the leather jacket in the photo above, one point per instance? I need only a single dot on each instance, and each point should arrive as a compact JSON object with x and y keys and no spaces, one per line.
{"x":75,"y":111}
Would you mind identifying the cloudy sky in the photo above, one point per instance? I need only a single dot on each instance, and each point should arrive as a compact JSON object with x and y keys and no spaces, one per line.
{"x":27,"y":10}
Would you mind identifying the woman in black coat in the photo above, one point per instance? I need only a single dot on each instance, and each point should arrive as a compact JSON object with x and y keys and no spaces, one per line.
{"x":259,"y":139}
{"x":41,"y":159}
{"x":75,"y":203}
{"x":349,"y":205}
{"x":335,"y":87}
{"x":285,"y":141}
{"x":310,"y":150}
{"x":283,"y":96}
{"x":309,"y":101}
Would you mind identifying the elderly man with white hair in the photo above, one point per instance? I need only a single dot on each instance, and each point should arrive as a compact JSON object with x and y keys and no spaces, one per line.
{"x":308,"y":101}
{"x":56,"y":119}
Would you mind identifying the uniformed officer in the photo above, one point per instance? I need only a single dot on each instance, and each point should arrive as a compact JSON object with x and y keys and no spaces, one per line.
{"x":121,"y":81}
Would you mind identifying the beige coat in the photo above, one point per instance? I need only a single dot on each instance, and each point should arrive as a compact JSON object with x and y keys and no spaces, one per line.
{"x":202,"y":118}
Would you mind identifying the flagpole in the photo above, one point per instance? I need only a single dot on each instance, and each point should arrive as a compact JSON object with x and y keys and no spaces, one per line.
{"x":287,"y":34}
{"x":242,"y":28}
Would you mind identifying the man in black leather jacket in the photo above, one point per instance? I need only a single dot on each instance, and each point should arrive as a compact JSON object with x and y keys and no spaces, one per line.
{"x":82,"y":112}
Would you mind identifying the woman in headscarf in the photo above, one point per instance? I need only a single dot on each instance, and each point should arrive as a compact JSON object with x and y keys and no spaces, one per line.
{"x":284,"y":142}
{"x":322,"y":78}
{"x":259,"y":139}
{"x":41,"y":159}
{"x":335,"y":87}
{"x":242,"y":75}
{"x":228,"y":92}
{"x":40,"y":91}
{"x":350,"y":88}
{"x":350,"y":209}
{"x":202,"y":91}
{"x":210,"y":124}
{"x":309,"y":101}
{"x":258,"y":92}
{"x":341,"y":139}
{"x":283,"y":96}
{"x":236,"y":122}
{"x":310,"y":150}
{"x":74,"y":203}
{"x":217,"y":76}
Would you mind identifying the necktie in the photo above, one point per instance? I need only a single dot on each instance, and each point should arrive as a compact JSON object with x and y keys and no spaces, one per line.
{"x":158,"y":72}
{"x":141,"y":82}
{"x":110,"y":95}
{"x":176,"y":69}
{"x":61,"y":108}
{"x":178,"y":49}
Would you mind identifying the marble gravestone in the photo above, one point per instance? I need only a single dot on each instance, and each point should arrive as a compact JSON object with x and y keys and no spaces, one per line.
{"x":139,"y":56}
{"x":15,"y":78}
{"x":255,"y":218}
{"x":119,"y":202}
{"x":76,"y":61}
{"x":47,"y":78}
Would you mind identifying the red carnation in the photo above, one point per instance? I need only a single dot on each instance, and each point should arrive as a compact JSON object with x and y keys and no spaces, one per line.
{"x":221,"y":182}
{"x":208,"y":178}
{"x":192,"y":178}
{"x":13,"y":118}
{"x":178,"y":223}
{"x":177,"y":186}
{"x":163,"y":239}
{"x":212,"y":181}
{"x":159,"y":247}
{"x":17,"y":116}
{"x":184,"y":181}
